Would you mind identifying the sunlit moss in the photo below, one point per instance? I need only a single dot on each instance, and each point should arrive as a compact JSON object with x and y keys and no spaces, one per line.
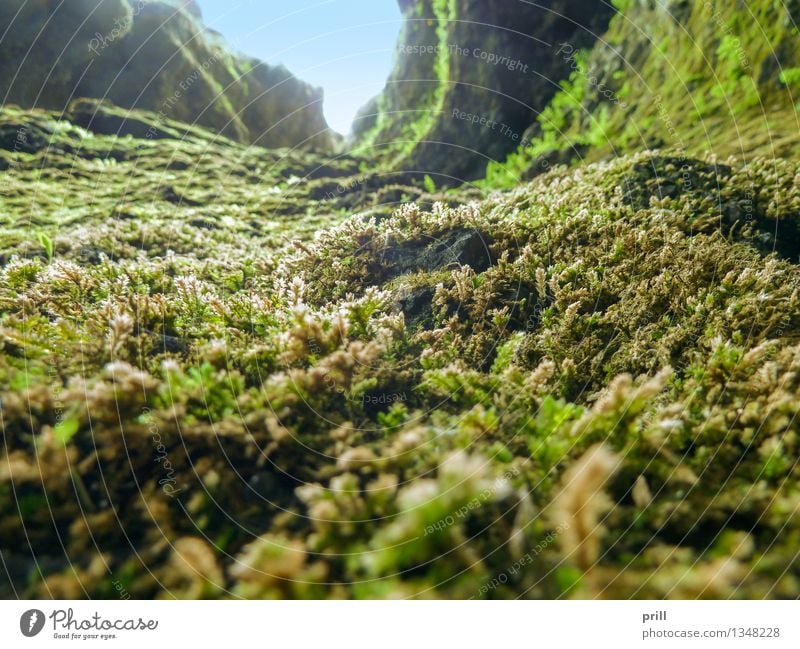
{"x":405,"y":405}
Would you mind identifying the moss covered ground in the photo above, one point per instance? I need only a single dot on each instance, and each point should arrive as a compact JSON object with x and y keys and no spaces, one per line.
{"x":233,"y":372}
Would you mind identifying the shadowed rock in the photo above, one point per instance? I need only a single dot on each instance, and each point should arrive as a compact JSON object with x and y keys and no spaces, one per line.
{"x":453,"y":249}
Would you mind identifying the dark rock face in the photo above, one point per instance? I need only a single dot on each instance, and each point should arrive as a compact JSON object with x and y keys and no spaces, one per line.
{"x":23,"y":138}
{"x":471,"y":77}
{"x":451,"y":250}
{"x":154,"y":56}
{"x":416,"y":304}
{"x":454,"y":249}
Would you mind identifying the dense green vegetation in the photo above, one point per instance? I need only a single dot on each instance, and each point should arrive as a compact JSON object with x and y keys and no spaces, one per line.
{"x":697,"y":76}
{"x":228,"y":371}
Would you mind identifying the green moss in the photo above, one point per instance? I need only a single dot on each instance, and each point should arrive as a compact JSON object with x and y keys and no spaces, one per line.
{"x":790,"y":77}
{"x":586,"y":385}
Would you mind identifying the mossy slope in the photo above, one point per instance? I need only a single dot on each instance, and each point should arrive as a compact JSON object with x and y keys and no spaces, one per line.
{"x":702,"y":77}
{"x":587,"y":386}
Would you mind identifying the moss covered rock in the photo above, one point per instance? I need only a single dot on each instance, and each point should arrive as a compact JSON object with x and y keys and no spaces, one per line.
{"x":230,"y":371}
{"x":156,"y":56}
{"x":696,"y":76}
{"x":469,"y":79}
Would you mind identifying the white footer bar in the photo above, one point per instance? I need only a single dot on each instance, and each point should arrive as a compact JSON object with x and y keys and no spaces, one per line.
{"x":401,"y":624}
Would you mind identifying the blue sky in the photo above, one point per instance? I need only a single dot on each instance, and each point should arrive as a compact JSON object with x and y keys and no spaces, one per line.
{"x":345,"y":46}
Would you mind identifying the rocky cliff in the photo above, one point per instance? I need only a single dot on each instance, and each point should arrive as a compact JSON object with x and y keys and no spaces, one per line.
{"x":469,"y":79}
{"x":156,"y":56}
{"x":698,"y":76}
{"x":517,"y":87}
